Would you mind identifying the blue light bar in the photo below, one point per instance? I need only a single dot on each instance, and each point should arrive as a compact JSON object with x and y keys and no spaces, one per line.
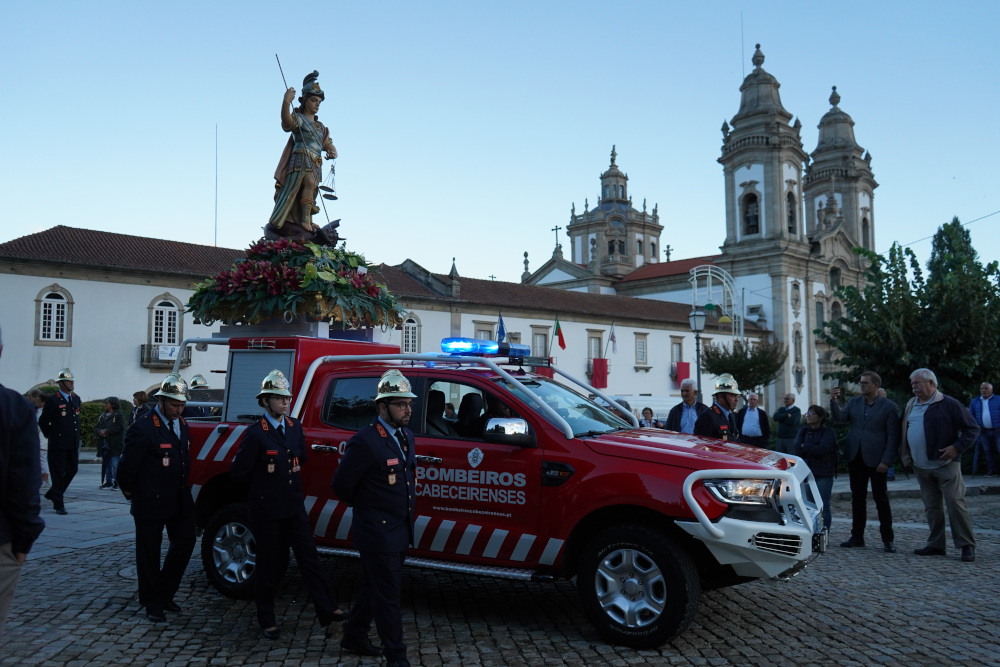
{"x":469,"y":346}
{"x":514,"y":350}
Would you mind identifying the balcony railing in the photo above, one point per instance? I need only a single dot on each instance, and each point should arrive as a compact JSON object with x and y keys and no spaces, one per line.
{"x":163,"y":356}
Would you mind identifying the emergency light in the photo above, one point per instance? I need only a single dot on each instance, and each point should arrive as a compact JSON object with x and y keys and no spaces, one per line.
{"x":478,"y":346}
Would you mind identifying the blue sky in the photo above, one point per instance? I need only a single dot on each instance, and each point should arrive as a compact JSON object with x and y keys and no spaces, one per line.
{"x":468,"y":129}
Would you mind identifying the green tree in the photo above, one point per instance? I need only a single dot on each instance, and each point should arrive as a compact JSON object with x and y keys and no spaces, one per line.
{"x":899,"y":321}
{"x":753,"y":364}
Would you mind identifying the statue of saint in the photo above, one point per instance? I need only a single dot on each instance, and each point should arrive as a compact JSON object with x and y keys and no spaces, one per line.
{"x":300,"y":170}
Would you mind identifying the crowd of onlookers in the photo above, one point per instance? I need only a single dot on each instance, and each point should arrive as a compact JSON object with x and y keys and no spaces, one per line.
{"x":929,"y":437}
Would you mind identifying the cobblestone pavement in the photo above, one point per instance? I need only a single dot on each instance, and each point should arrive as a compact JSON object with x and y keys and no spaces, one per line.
{"x":76,"y":605}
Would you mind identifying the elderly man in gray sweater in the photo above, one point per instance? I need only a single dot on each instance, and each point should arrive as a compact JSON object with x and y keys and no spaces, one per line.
{"x":872,"y":442}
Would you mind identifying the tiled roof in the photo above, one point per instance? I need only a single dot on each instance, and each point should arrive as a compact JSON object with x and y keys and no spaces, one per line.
{"x":662,"y":269}
{"x":86,"y":247}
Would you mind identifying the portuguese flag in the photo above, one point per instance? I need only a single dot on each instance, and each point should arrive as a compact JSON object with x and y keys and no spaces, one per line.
{"x":559,"y":334}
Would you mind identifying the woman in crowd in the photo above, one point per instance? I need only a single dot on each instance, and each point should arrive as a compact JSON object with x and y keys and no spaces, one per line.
{"x":647,"y":420}
{"x":110,"y":431}
{"x":817,"y":444}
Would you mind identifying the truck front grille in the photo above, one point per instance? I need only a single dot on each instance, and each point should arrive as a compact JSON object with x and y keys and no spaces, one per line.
{"x":788,"y":545}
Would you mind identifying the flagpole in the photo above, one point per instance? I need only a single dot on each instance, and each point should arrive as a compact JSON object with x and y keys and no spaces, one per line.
{"x":612,"y":335}
{"x":552,"y":337}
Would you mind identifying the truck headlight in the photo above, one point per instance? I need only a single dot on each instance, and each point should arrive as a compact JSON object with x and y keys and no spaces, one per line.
{"x":742,"y":491}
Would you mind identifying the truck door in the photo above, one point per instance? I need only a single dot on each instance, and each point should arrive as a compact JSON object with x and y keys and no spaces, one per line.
{"x":342,"y":407}
{"x":476,"y":499}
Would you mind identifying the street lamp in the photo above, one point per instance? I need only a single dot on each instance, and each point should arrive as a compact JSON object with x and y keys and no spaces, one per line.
{"x":697,"y":321}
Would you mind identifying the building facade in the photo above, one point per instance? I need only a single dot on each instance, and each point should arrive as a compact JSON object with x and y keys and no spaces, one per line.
{"x":792,"y":221}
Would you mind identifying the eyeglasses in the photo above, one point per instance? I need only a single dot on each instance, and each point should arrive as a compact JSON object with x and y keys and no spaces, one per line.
{"x":402,"y":405}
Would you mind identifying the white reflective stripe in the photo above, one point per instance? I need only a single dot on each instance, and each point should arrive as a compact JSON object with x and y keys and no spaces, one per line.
{"x":496,"y":541}
{"x":344,"y":526}
{"x":522,"y":548}
{"x":324,"y":517}
{"x":418,"y":529}
{"x":195,"y":488}
{"x":210,"y":442}
{"x":309,"y":502}
{"x":442,"y":535}
{"x":468,"y":539}
{"x":230,"y":441}
{"x":552,"y":550}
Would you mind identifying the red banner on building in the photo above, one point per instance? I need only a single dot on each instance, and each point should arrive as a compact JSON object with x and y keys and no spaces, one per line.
{"x":683,"y":371}
{"x":599,"y":377}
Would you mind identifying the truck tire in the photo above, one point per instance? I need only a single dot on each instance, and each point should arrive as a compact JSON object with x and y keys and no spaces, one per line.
{"x":229,"y":552}
{"x":637,"y":587}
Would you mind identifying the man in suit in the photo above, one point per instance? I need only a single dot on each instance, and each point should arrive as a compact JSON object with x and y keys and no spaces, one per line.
{"x":60,"y":424}
{"x":20,"y":479}
{"x":682,"y":416}
{"x":153,"y":472}
{"x":986,"y":411}
{"x":755,"y":427}
{"x":377,"y":477}
{"x":872,"y":441}
{"x":271,"y":453}
{"x":719,"y":421}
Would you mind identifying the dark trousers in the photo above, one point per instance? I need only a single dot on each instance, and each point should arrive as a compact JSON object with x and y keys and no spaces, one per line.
{"x":63,"y":464}
{"x":272,"y":538}
{"x":860,"y":475}
{"x":158,"y":586}
{"x":754,"y":440}
{"x":378,"y":598}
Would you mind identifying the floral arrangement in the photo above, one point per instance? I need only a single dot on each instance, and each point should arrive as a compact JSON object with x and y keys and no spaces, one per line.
{"x":286,"y":279}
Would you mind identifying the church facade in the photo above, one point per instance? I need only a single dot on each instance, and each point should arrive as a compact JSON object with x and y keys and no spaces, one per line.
{"x":792,"y":221}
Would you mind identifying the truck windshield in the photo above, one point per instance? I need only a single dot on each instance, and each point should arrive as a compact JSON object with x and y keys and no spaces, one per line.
{"x":583,"y":415}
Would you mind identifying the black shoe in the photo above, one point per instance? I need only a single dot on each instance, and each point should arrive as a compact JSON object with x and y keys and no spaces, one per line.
{"x":114,"y":487}
{"x":271,"y":633}
{"x":155,"y":614}
{"x":62,"y":510}
{"x":172,"y":607}
{"x":362,"y":646}
{"x":968,"y":554}
{"x":402,"y":662}
{"x":890,"y":547}
{"x":853,"y":543}
{"x":929,"y":551}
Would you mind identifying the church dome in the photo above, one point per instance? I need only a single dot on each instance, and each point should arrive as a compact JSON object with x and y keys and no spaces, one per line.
{"x":836,"y":128}
{"x":759,"y":93}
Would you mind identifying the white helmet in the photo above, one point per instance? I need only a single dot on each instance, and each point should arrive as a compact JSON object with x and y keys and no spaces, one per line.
{"x":394,"y":385}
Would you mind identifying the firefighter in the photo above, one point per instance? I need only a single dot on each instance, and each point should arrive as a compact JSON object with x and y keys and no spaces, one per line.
{"x":271,"y":454}
{"x":377,"y":477}
{"x":153,"y":472}
{"x":719,"y":421}
{"x":60,"y":424}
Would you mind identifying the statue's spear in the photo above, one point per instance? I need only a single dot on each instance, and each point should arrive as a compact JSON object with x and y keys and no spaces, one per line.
{"x":281,"y":70}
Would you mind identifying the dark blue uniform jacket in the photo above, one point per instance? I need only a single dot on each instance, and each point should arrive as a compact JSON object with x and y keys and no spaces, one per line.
{"x":380,"y":484}
{"x":60,"y":421}
{"x":154,"y":469}
{"x":267,"y":463}
{"x":20,"y":472}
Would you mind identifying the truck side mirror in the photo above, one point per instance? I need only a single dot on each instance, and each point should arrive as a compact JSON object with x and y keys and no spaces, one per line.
{"x":506,"y":431}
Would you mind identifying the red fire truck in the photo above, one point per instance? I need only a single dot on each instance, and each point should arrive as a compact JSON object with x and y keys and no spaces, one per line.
{"x":531,"y":480}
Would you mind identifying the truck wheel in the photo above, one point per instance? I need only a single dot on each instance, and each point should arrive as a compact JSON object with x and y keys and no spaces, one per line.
{"x":638,"y":588}
{"x":229,"y":552}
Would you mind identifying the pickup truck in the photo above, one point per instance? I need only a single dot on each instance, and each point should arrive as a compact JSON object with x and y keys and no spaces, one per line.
{"x":534,"y":481}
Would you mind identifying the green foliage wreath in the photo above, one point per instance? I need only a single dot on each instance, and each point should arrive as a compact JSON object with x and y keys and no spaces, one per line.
{"x":286,"y":279}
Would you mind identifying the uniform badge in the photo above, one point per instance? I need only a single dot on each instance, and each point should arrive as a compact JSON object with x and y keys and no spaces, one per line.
{"x":270,"y":467}
{"x":271,"y":455}
{"x":392,"y":479}
{"x":166,"y":454}
{"x":381,"y":431}
{"x":475,"y":457}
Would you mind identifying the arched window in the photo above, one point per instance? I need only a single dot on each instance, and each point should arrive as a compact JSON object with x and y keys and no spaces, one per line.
{"x":751,"y":214}
{"x":835,"y":312}
{"x":607,"y":191}
{"x":790,"y":201}
{"x":411,"y":338}
{"x":53,"y":316}
{"x":166,"y":328}
{"x":820,"y":314}
{"x":652,"y":249}
{"x":611,"y":247}
{"x":866,"y":239}
{"x":638,"y":247}
{"x":621,"y":247}
{"x":835,"y":278}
